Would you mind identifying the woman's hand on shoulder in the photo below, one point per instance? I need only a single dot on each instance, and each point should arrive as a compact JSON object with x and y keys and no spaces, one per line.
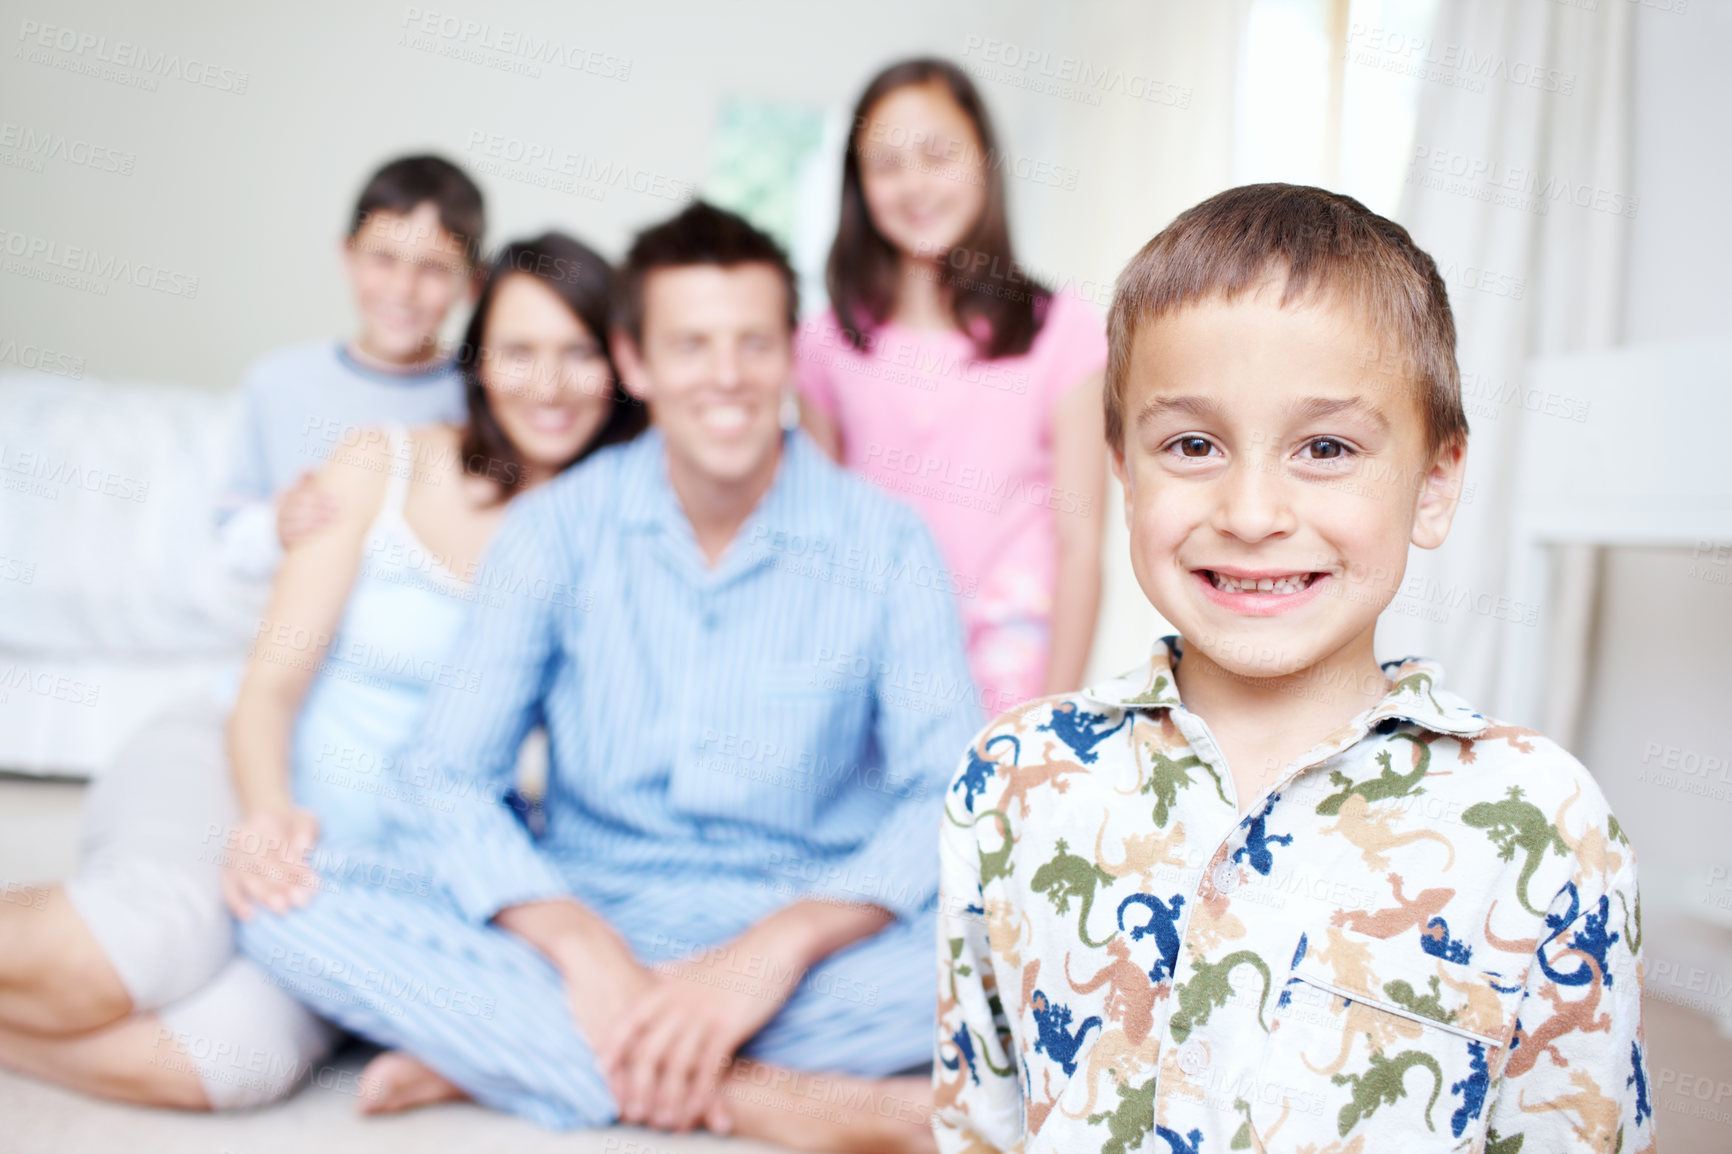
{"x":266,"y":863}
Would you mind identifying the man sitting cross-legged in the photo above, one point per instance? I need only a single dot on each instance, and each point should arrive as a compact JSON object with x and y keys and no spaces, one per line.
{"x":752,"y":676}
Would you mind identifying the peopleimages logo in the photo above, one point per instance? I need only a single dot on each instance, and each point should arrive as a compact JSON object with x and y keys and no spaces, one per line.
{"x":546,"y":164}
{"x":898,"y":468}
{"x":1455,"y":65}
{"x":433,"y":30}
{"x":1512,"y":186}
{"x":28,"y":355}
{"x":39,"y":145}
{"x":47,"y":473}
{"x":98,"y":266}
{"x":78,"y":47}
{"x":1068,"y":77}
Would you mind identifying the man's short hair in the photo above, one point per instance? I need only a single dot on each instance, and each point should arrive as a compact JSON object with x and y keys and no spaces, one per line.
{"x":405,"y":184}
{"x":701,"y":234}
{"x":1324,"y":244}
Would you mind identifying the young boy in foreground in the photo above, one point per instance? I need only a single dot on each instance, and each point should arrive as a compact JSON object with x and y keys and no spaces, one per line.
{"x":410,"y":255}
{"x":1322,"y":904}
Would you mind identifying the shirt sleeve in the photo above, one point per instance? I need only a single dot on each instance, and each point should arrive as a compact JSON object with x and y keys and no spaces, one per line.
{"x":815,"y":349}
{"x":922,"y":721}
{"x":247,"y":543}
{"x":1576,"y":1077}
{"x":248,"y":479}
{"x":978,"y":1097}
{"x":455,"y":820}
{"x":245,"y":515}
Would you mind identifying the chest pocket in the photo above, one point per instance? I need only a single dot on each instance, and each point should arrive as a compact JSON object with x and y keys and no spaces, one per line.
{"x":1377,"y":1044}
{"x":787,"y":746}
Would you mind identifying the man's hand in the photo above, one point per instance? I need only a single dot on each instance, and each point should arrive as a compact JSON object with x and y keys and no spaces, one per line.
{"x":303,"y":509}
{"x":602,"y":978}
{"x":667,"y":1054}
{"x":267,"y":865}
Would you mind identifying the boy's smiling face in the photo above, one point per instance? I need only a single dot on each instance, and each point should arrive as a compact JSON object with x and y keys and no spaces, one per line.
{"x":407,"y":272}
{"x":1274,"y":477}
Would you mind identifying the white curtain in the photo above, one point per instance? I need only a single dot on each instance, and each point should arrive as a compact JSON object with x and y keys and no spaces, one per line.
{"x":1517,"y":188}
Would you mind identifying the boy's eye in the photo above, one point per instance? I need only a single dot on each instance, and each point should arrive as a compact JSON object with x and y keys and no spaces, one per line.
{"x":1327,"y":449}
{"x":1193,"y":446}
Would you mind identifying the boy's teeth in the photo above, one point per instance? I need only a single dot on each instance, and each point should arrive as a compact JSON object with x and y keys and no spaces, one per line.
{"x":1290,"y":584}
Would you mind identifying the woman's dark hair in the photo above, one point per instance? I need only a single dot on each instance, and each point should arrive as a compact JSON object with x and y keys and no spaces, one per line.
{"x":987,"y":290}
{"x":584,"y":281}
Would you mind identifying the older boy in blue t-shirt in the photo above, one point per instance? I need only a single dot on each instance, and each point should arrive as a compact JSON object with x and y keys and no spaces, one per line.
{"x":410,"y":255}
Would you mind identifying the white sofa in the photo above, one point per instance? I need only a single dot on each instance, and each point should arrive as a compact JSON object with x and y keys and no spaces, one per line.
{"x":112,"y":600}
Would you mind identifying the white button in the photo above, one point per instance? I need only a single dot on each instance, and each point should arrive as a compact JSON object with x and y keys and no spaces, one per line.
{"x":1193,"y":1057}
{"x":1226,"y":877}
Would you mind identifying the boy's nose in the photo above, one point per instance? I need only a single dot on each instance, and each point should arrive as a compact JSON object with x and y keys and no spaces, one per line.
{"x":1253,"y":502}
{"x":404,"y":275}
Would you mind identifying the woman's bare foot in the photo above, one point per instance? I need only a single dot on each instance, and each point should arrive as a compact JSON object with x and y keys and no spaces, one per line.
{"x":395,"y":1081}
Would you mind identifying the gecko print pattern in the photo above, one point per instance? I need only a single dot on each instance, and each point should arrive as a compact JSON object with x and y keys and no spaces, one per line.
{"x":1424,"y":936}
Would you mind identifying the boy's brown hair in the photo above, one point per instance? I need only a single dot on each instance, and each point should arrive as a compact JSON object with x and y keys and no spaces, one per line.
{"x":405,"y":184}
{"x":1324,"y":243}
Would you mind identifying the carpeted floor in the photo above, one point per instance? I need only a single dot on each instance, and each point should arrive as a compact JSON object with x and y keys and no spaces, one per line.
{"x":40,"y":1119}
{"x":38,"y":841}
{"x":1690,"y":1063}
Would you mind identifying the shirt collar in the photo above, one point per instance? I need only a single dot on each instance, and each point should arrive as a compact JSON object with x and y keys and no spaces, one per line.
{"x":428,"y":372}
{"x":1418,"y":695}
{"x":646,"y":499}
{"x":648,"y":503}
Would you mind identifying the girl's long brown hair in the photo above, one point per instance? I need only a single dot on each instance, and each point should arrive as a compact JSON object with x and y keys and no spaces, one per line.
{"x":991,"y":299}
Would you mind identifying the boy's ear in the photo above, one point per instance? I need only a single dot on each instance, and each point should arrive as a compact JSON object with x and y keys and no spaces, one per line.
{"x":628,"y":359}
{"x":477,"y":281}
{"x":1439,"y":496}
{"x":1116,"y":456}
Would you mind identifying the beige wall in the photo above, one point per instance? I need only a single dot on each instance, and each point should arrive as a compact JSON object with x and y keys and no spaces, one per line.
{"x":1659,"y":691}
{"x":247,"y":191}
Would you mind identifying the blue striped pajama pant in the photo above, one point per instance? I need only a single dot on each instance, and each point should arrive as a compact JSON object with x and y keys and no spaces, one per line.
{"x":489,"y":1012}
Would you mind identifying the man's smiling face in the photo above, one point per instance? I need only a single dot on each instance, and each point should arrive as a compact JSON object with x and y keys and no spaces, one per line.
{"x":715,"y":358}
{"x":1274,"y":476}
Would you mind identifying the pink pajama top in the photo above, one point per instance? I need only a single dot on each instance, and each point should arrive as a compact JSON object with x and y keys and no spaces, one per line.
{"x":968,"y":443}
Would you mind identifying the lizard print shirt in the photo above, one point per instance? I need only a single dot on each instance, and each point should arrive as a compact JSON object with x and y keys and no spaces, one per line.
{"x":1424,"y":936}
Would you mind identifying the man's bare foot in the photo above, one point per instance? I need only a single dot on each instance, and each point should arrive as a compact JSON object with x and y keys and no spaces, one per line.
{"x":395,"y":1081}
{"x":834,"y":1112}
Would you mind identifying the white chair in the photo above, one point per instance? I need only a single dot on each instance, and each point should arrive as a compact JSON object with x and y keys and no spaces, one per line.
{"x":1650,"y":465}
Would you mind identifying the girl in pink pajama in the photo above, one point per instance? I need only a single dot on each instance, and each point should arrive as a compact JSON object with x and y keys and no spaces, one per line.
{"x":947,"y":375}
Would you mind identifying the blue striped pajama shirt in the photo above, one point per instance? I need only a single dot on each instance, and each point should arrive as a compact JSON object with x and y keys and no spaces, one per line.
{"x":722,"y":742}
